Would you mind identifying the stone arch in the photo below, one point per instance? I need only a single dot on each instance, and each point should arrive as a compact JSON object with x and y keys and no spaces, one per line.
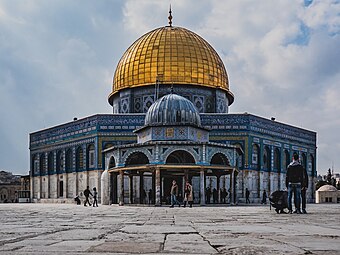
{"x":136,"y":158}
{"x":50,"y":162}
{"x":112,"y":162}
{"x":68,"y":161}
{"x":180,"y":157}
{"x":79,"y":159}
{"x":219,"y":159}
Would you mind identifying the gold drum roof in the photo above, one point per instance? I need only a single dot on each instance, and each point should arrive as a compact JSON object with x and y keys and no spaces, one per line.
{"x":173,"y":55}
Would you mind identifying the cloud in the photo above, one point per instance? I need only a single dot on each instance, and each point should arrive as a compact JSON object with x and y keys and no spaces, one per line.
{"x":58,"y":59}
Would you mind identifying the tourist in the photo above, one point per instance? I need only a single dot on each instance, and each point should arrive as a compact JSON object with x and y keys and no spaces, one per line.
{"x":87,"y":193}
{"x":215,"y":196}
{"x":247,"y":196}
{"x":95,"y":194}
{"x":224,"y":195}
{"x":264,"y":197}
{"x":174,"y":194}
{"x":77,"y":199}
{"x":208,"y":195}
{"x":188,"y":196}
{"x":294,"y":179}
{"x":150,"y":196}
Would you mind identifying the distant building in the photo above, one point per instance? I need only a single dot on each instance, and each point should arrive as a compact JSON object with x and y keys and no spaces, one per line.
{"x":327,"y":194}
{"x":249,"y":152}
{"x":9,"y":187}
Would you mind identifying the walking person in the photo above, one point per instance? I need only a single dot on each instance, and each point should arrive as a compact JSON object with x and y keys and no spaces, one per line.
{"x":294,"y":179}
{"x":95,"y":194}
{"x":247,"y":196}
{"x":87,"y":193}
{"x":188,"y":195}
{"x":174,"y":194}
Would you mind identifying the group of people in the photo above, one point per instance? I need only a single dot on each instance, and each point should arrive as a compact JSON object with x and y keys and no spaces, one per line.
{"x":188,"y":195}
{"x":223,"y":195}
{"x":87,"y":194}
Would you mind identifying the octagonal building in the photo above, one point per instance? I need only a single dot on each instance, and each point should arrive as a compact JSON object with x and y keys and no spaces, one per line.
{"x":171,"y":121}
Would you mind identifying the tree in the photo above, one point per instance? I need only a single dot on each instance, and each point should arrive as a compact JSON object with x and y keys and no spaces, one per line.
{"x":329,"y":177}
{"x":320,"y":183}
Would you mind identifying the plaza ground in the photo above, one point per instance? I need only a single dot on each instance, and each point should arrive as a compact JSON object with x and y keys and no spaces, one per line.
{"x":71,"y":229}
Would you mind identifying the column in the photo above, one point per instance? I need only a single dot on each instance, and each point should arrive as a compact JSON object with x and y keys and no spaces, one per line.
{"x":142,"y":191}
{"x":218,"y":189}
{"x":131,"y":189}
{"x":105,"y":192}
{"x":158,"y":186}
{"x":121,"y":187}
{"x":232,"y":188}
{"x":202,"y":186}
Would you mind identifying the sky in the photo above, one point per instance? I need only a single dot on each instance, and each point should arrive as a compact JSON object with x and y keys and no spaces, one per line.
{"x":58,"y":57}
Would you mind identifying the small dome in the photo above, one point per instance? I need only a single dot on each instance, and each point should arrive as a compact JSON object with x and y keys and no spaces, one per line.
{"x":327,"y":188}
{"x":173,"y":110}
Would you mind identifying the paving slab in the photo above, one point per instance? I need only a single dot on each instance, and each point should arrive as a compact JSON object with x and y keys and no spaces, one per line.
{"x":51,"y":229}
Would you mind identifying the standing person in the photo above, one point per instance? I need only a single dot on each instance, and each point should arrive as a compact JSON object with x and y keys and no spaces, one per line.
{"x":150,"y":196}
{"x":304,"y":190}
{"x":224,"y":195}
{"x":215,"y":196}
{"x":208,"y":195}
{"x":87,"y":193}
{"x":247,"y":196}
{"x":188,"y":197}
{"x":294,"y":179}
{"x":174,"y":194}
{"x":143,"y":197}
{"x":264,"y":197}
{"x":95,"y":194}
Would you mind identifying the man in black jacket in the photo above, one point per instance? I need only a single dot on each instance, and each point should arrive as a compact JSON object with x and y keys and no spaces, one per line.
{"x":294,"y":180}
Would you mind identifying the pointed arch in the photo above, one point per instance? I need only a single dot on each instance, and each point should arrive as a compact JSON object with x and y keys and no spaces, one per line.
{"x":68,"y":161}
{"x":79,"y":159}
{"x":219,"y":159}
{"x":50,"y":163}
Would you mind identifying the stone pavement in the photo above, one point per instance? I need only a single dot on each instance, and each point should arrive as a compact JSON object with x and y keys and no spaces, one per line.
{"x":71,"y":229}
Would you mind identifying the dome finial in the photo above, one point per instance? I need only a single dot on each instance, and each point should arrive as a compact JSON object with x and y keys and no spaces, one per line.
{"x":172,"y":88}
{"x":170,"y":17}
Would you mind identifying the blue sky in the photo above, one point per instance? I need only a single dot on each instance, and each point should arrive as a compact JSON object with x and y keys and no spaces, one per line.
{"x":57,"y":60}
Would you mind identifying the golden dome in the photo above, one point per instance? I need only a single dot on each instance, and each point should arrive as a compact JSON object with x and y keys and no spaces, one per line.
{"x":173,"y":55}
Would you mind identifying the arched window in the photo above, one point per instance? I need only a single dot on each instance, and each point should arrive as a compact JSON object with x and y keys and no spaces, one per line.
{"x":50,"y":163}
{"x":304,"y":160}
{"x":180,"y":157}
{"x":256,"y":156}
{"x":219,"y":159}
{"x":112,"y":163}
{"x":136,"y":158}
{"x":286,"y":159}
{"x":68,"y":161}
{"x":266,"y":158}
{"x":42,"y":164}
{"x":277,"y":159}
{"x":79,"y":159}
{"x":90,"y":157}
{"x":35,"y":165}
{"x":313,"y":166}
{"x":60,"y":162}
